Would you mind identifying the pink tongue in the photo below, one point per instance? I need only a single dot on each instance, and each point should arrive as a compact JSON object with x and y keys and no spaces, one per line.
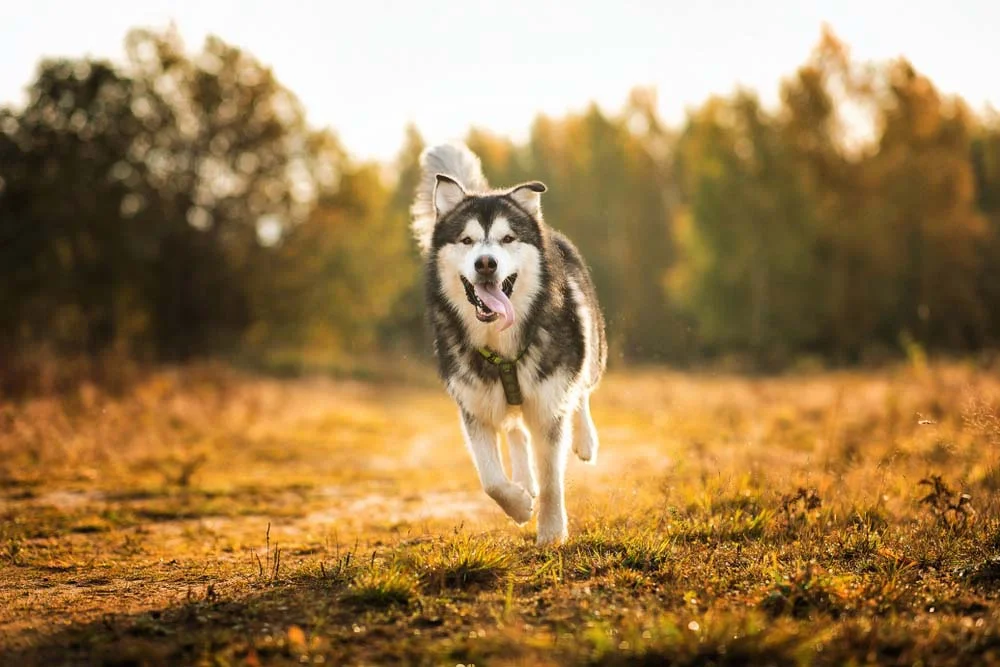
{"x":497,"y":301}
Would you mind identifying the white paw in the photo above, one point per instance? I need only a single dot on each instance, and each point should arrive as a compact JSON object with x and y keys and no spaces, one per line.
{"x":585,"y":450}
{"x":514,"y":500}
{"x":551,"y":527}
{"x":551,"y":534}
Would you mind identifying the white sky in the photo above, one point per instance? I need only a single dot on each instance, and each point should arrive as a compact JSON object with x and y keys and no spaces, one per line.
{"x":367,"y":67}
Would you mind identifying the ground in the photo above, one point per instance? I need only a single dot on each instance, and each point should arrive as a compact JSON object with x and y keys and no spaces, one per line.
{"x":203,"y":516}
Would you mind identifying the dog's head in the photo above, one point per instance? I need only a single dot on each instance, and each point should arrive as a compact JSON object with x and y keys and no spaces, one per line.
{"x":488,"y":250}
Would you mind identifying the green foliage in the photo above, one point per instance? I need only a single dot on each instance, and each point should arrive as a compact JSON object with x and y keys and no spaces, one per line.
{"x":800,"y":238}
{"x":747,"y":275}
{"x":180,"y":206}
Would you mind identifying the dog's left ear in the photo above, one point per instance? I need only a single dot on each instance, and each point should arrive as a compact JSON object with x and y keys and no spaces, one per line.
{"x":529,"y":196}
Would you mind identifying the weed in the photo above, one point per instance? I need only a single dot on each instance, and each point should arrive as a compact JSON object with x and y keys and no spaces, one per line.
{"x":268,"y":569}
{"x":379,"y":588}
{"x":949,"y":508}
{"x":858,"y":545}
{"x":14,"y":550}
{"x":799,"y":505}
{"x":872,"y":519}
{"x":469,"y":562}
{"x":343,"y":568}
{"x":809,"y":590}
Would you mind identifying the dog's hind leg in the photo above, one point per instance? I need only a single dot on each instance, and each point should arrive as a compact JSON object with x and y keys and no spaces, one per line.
{"x":484,"y":444}
{"x":521,"y":465}
{"x":585,"y":442}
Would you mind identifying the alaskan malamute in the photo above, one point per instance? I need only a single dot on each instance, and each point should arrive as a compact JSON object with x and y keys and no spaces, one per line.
{"x":518,"y":332}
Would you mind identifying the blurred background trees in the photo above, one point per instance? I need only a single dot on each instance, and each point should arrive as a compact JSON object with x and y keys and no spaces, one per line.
{"x":178,"y":205}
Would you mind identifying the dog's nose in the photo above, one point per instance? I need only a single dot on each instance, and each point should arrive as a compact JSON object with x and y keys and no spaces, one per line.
{"x":486,"y":265}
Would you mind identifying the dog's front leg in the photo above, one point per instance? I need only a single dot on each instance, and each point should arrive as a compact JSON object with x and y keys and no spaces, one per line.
{"x":552,"y":437}
{"x":521,"y":465}
{"x":484,"y":443}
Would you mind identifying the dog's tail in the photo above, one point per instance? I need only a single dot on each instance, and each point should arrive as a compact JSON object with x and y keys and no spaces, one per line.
{"x":455,"y":160}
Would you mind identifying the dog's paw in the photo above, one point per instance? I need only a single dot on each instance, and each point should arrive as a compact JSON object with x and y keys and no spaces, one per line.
{"x":585,"y":450}
{"x":551,"y":535}
{"x":514,"y":500}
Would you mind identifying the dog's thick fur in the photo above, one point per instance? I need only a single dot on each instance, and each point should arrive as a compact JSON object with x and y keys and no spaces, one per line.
{"x":558,"y":331}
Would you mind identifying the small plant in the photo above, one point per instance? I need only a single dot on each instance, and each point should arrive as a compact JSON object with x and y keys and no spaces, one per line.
{"x":872,"y":519}
{"x":14,"y":551}
{"x":948,"y":507}
{"x":267,"y":569}
{"x":811,"y":589}
{"x":797,"y":506}
{"x":858,"y":546}
{"x":381,"y":588}
{"x":469,"y":562}
{"x":342,"y":569}
{"x":646,"y":554}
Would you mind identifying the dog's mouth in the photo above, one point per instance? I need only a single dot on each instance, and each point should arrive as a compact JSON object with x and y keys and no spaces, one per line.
{"x":491,"y":302}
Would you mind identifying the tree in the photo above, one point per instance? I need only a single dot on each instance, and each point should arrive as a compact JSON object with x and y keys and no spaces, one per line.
{"x":134,"y":197}
{"x":927,"y":196}
{"x":748,"y":275}
{"x":985,"y":156}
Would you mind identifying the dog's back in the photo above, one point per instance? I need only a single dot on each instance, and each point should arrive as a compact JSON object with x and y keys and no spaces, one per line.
{"x":596,"y":339}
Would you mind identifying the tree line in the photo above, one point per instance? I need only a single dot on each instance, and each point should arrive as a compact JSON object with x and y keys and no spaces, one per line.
{"x":178,"y":205}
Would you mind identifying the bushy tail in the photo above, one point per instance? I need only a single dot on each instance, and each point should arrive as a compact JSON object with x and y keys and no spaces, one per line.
{"x":455,"y":160}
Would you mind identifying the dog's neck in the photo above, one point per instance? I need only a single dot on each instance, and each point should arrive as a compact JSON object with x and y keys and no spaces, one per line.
{"x":508,"y":344}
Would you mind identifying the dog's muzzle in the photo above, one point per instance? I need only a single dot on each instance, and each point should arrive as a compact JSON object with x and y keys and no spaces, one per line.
{"x":483,"y":312}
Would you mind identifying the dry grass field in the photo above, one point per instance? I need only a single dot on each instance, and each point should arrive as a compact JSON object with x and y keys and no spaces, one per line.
{"x":211,"y":518}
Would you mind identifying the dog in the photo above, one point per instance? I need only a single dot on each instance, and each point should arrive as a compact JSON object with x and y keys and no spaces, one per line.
{"x":519,"y":335}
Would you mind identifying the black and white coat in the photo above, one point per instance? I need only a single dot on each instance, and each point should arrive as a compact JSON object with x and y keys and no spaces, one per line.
{"x":557,"y":336}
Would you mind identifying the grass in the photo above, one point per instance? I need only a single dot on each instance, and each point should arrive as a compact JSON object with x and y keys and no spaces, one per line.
{"x":468,"y":563}
{"x":381,"y":588}
{"x":206,"y":516}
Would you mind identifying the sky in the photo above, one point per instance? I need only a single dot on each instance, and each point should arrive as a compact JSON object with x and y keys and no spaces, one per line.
{"x":366,"y":68}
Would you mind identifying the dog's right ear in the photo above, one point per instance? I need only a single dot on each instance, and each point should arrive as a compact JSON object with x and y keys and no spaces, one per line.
{"x":447,"y":195}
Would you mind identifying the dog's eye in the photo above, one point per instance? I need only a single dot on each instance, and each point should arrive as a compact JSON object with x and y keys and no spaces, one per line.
{"x":467,"y":240}
{"x":507,"y":239}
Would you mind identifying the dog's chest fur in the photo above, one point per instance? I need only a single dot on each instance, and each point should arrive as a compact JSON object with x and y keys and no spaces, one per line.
{"x":478,"y":390}
{"x":560,"y":332}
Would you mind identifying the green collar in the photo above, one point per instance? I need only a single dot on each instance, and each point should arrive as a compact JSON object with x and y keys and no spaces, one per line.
{"x":508,"y":374}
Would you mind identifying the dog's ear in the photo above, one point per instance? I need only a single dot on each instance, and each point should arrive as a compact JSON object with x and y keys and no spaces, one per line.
{"x":529,"y":196}
{"x":447,"y":195}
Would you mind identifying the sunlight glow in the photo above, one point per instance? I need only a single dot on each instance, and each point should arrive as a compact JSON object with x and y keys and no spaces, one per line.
{"x":368,"y":69}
